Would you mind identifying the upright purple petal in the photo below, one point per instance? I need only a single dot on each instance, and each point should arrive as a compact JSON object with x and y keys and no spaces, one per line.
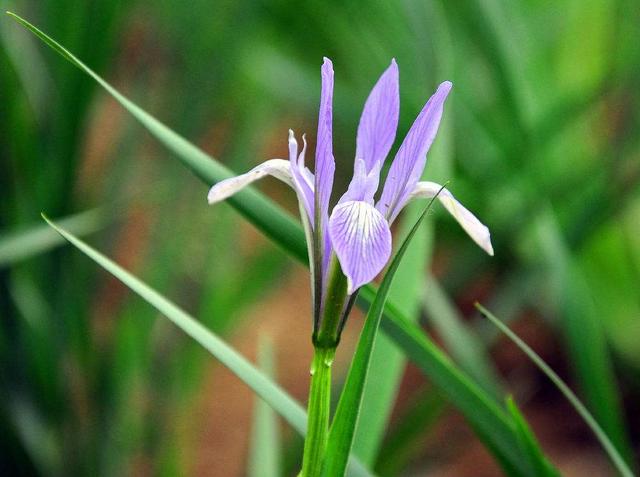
{"x":324,"y":170}
{"x":325,"y":164}
{"x":379,"y":120}
{"x":410,"y":160}
{"x":361,"y":238}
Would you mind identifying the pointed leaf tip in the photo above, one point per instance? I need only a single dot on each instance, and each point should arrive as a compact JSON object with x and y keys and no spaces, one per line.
{"x":613,"y":453}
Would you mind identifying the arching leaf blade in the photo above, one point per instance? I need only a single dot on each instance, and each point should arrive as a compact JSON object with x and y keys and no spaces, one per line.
{"x":588,"y":418}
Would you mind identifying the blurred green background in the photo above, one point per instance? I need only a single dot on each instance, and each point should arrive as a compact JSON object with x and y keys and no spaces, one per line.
{"x":540,"y":139}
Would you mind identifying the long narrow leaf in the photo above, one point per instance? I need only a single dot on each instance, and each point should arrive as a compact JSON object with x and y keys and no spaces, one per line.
{"x":254,"y":378}
{"x":270,"y":392}
{"x":406,"y":439}
{"x":344,"y":424}
{"x":264,"y":453}
{"x":484,"y":414}
{"x":583,"y":331}
{"x":24,"y":244}
{"x":609,"y":448}
{"x":387,"y":360}
{"x":466,"y":347}
{"x":259,"y":210}
{"x":529,"y":445}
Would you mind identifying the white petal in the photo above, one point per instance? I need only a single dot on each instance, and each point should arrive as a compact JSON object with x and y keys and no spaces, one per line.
{"x":469,"y":222}
{"x":278,"y":168}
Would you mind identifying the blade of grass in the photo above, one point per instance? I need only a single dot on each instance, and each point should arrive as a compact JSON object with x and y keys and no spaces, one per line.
{"x":407,"y":438}
{"x":485,"y":415}
{"x":609,"y":448}
{"x":527,"y":442}
{"x":344,"y":424}
{"x":258,"y":381}
{"x":583,"y":331}
{"x":270,"y":392}
{"x":258,"y":209}
{"x":463,"y":344}
{"x":387,"y":360}
{"x":24,"y":244}
{"x":264,"y":452}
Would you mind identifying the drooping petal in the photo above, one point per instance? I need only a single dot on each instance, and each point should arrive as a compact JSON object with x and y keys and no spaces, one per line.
{"x":325,"y":163}
{"x":361,"y":238}
{"x":302,"y":177}
{"x":469,"y":222}
{"x":278,"y":168}
{"x":410,"y":160}
{"x":379,"y":120}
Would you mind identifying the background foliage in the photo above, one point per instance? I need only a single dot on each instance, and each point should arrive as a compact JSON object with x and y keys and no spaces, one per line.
{"x":540,"y":139}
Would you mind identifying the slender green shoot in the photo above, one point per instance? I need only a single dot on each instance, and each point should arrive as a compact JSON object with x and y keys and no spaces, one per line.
{"x":319,"y":411}
{"x":264,"y":455}
{"x":609,"y":448}
{"x":343,"y":428}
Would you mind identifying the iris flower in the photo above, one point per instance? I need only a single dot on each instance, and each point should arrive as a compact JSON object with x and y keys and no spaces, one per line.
{"x":357,"y":231}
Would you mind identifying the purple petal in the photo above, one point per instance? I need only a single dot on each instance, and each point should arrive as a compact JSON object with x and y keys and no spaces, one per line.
{"x":469,"y":222}
{"x":325,"y":164}
{"x":324,"y":169}
{"x":362,"y":241}
{"x":410,"y":160}
{"x":363,"y":185}
{"x":379,"y":120}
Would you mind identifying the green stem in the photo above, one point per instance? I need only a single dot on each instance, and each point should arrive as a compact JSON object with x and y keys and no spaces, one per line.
{"x":327,"y":334}
{"x":315,"y":442}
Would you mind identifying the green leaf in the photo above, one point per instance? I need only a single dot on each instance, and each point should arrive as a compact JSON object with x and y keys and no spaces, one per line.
{"x":465,"y":346}
{"x":609,"y":448}
{"x":257,"y":208}
{"x":288,"y":408}
{"x":529,"y":445}
{"x":407,"y":437}
{"x":387,"y":360}
{"x":25,"y":244}
{"x":583,"y":331}
{"x":264,"y":452}
{"x":343,"y":427}
{"x":270,"y":392}
{"x":484,"y":414}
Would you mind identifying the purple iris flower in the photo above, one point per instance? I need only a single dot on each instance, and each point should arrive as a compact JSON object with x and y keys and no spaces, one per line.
{"x":357,"y":230}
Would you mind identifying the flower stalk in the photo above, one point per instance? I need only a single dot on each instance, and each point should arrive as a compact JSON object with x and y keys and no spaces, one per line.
{"x":327,"y":333}
{"x":315,"y":443}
